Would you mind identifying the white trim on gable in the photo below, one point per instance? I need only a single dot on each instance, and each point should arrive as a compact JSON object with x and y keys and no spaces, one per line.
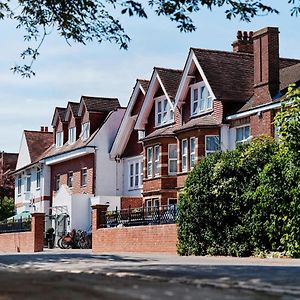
{"x":185,"y":80}
{"x":127,"y":124}
{"x":155,"y":83}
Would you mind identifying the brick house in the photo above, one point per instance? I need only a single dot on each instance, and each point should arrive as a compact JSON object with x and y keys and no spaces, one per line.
{"x":219,"y":100}
{"x":83,"y":135}
{"x":32,"y":190}
{"x":8,"y":162}
{"x":127,"y":151}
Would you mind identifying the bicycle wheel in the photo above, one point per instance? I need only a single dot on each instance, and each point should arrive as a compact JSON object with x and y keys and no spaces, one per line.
{"x":59,"y":243}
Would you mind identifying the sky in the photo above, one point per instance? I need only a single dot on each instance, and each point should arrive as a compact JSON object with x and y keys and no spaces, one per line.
{"x":65,"y":73}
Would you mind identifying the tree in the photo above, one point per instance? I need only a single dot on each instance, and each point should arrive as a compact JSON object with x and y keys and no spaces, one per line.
{"x":85,"y":21}
{"x":6,"y":207}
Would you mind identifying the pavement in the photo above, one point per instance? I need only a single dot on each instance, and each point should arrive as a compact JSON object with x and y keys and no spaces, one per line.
{"x":80,"y":274}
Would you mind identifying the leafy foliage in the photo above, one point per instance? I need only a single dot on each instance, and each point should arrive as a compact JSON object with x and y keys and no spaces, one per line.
{"x":6,"y":208}
{"x":242,"y":202}
{"x":85,"y":21}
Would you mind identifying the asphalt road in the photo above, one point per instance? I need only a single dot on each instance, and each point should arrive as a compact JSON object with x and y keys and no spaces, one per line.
{"x":69,"y":274}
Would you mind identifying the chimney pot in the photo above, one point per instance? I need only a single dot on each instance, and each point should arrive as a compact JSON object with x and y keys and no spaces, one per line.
{"x":245,"y":35}
{"x":42,"y":128}
{"x":46,"y":128}
{"x":239,"y":35}
{"x":244,"y":42}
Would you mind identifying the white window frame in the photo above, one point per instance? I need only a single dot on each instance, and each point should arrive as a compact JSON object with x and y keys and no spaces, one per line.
{"x":84,"y":177}
{"x":57,"y":182}
{"x":72,"y":135}
{"x":59,"y":138}
{"x":205,"y":98}
{"x":28,"y":181}
{"x":19,"y":185}
{"x":170,"y":159}
{"x":156,"y":160}
{"x":70,"y":179}
{"x":184,"y":155}
{"x":193,"y":158}
{"x":85,"y":131}
{"x":135,"y":178}
{"x":244,"y":140}
{"x":149,"y":162}
{"x":38,"y":178}
{"x":166,"y":114}
{"x":207,"y":152}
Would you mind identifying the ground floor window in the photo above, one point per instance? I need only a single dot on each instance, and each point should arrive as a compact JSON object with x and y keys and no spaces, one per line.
{"x":212,"y":144}
{"x":242,"y":134}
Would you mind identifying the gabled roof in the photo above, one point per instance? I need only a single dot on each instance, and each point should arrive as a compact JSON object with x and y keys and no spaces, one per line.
{"x":166,"y":79}
{"x":229,"y":74}
{"x":72,"y":107}
{"x":128,"y":121}
{"x":98,"y":104}
{"x":38,"y":142}
{"x":289,"y":75}
{"x":59,"y":112}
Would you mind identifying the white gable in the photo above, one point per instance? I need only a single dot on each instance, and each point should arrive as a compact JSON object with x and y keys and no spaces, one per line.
{"x":24,"y":156}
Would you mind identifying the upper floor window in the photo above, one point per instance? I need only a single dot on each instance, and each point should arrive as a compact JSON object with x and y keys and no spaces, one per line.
{"x":84,"y":177}
{"x":59,"y":138}
{"x":19,"y":184}
{"x":242,"y":134}
{"x":163,"y":112}
{"x":149,"y":162}
{"x":184,"y":151}
{"x":70,"y":179}
{"x":135,"y":174}
{"x":28,"y":182}
{"x":72,"y":135}
{"x":85,"y":131}
{"x":156,"y":160}
{"x":192,"y":152}
{"x":212,"y":144}
{"x":57,"y":182}
{"x":38,"y":178}
{"x":201,"y":100}
{"x":172,"y":159}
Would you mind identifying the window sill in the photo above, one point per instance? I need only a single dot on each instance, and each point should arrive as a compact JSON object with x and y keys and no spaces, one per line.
{"x":135,"y":189}
{"x":38,"y":188}
{"x":202,"y":113}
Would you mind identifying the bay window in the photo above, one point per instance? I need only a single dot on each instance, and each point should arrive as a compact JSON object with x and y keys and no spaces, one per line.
{"x":156,"y":160}
{"x":172,"y":159}
{"x":192,"y":152}
{"x":184,"y":151}
{"x":149,"y":162}
{"x":212,"y":144}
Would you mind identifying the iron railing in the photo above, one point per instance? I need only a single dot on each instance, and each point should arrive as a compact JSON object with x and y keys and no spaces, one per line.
{"x":19,"y":225}
{"x":139,"y":216}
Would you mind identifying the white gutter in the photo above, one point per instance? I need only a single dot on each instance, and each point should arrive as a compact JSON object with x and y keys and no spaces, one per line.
{"x":253,"y":111}
{"x":67,"y":156}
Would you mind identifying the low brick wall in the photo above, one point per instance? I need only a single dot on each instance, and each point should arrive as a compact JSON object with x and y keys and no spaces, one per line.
{"x":30,"y":241}
{"x":149,"y":238}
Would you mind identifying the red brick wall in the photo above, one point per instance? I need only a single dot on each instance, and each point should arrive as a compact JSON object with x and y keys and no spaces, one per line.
{"x":150,"y":238}
{"x":32,"y":241}
{"x":262,"y":124}
{"x":76,"y":166}
{"x":133,"y":202}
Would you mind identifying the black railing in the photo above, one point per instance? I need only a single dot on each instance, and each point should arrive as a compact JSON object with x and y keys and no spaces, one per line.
{"x":19,"y":225}
{"x":139,"y":216}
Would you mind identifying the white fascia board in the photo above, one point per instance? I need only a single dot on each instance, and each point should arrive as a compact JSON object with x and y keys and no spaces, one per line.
{"x":144,"y":112}
{"x":164,"y":90}
{"x":126,"y":126}
{"x":67,"y":156}
{"x":203,"y":76}
{"x":184,"y":80}
{"x":256,"y":110}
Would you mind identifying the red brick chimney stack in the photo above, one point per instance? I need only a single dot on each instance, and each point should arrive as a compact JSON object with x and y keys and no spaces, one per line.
{"x":243,"y":43}
{"x":266,"y":64}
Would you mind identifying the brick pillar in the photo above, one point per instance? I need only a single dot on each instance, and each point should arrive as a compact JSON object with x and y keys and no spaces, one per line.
{"x":38,"y":228}
{"x":98,"y":213}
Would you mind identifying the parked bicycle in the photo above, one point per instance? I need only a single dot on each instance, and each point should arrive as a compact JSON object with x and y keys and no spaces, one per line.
{"x":76,"y":239}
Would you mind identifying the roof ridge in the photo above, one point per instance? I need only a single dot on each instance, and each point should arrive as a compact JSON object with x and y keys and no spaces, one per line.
{"x":37,"y":131}
{"x":99,"y":97}
{"x":168,"y":69}
{"x":222,"y":51}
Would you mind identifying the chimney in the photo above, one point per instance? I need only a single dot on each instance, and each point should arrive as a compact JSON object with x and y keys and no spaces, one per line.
{"x":243,"y":43}
{"x":46,"y":128}
{"x":266,"y":64}
{"x":42,"y":128}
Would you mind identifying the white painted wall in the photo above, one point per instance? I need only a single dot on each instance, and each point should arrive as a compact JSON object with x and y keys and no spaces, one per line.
{"x":106,"y":170}
{"x":24,"y":156}
{"x":28,"y":197}
{"x":232,"y":138}
{"x":112,"y":201}
{"x":224,"y":138}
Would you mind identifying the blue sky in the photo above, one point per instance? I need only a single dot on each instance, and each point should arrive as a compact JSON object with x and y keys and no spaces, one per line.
{"x":65,"y":73}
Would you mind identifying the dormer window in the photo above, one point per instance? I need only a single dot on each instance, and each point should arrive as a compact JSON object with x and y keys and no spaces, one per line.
{"x":72,"y":135}
{"x":85,"y":131}
{"x":201,"y":100}
{"x":163,"y":112}
{"x":59,"y":138}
